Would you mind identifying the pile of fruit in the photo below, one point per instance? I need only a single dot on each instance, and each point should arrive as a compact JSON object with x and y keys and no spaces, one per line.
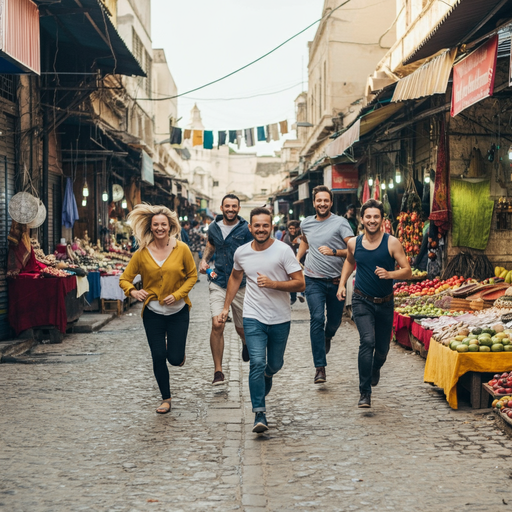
{"x":481,"y":340}
{"x":427,"y":310}
{"x":427,"y":287}
{"x":503,"y":273}
{"x":418,"y":273}
{"x":410,"y":233}
{"x":53,"y":272}
{"x":501,"y":384}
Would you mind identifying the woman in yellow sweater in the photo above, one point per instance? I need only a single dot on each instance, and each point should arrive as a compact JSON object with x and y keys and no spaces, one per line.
{"x":168,"y":274}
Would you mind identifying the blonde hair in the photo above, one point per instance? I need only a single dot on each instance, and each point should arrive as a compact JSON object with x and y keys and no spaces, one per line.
{"x":140,"y":221}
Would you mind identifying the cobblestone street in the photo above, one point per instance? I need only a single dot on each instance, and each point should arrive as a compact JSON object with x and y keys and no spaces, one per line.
{"x":79,"y":431}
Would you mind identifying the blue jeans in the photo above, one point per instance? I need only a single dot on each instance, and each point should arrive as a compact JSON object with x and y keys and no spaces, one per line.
{"x":266,"y":345}
{"x":374,"y":323}
{"x":321,"y":295}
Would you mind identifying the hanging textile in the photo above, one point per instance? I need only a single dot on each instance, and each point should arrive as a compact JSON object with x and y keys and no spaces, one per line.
{"x":366,"y":192}
{"x":187,"y":134}
{"x":232,"y":136}
{"x":222,"y":139}
{"x":249,"y":137}
{"x":197,"y":138}
{"x":441,"y":207}
{"x":268,"y":133}
{"x":376,"y":189}
{"x":261,"y":133}
{"x":176,"y":135}
{"x":69,"y":209}
{"x":19,"y":248}
{"x":208,"y":139}
{"x":283,"y":126}
{"x":239,"y":138}
{"x":274,"y":131}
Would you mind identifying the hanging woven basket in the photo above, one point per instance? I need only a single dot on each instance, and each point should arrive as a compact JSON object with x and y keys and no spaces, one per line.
{"x":23,"y":207}
{"x":40,"y":217}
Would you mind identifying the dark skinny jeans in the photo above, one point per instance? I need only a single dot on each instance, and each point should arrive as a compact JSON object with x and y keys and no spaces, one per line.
{"x":374,"y":323}
{"x":175,"y":328}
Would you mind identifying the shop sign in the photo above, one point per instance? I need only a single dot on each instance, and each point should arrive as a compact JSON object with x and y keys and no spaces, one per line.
{"x":345,"y":177}
{"x":146,"y":170}
{"x":304,"y":191}
{"x":473,"y":77}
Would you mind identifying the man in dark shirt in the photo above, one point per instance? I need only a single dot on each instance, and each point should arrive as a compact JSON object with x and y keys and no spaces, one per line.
{"x":289,"y":238}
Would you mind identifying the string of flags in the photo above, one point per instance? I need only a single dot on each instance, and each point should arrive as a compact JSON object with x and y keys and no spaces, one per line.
{"x":250,"y":135}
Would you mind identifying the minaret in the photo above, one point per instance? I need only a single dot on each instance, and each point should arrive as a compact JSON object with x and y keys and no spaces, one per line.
{"x":196,"y":123}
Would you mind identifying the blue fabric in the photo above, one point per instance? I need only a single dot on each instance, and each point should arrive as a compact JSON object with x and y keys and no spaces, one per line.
{"x":94,"y":286}
{"x":207,"y":139}
{"x":367,"y":261}
{"x":232,"y":136}
{"x":225,"y":249}
{"x":184,"y":236}
{"x":222,"y":138}
{"x":69,"y":209}
{"x":374,"y":323}
{"x":321,"y":295}
{"x":261,"y":133}
{"x":266,"y":345}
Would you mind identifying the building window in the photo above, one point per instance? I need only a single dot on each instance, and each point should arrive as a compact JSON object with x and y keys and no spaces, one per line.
{"x":215,"y":183}
{"x":143,"y":58}
{"x":7,"y":87}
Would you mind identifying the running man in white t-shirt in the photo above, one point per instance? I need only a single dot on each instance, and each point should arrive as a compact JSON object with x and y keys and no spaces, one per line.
{"x":272,"y":273}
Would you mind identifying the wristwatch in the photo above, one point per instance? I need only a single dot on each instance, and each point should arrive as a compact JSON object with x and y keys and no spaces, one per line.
{"x":334,"y":252}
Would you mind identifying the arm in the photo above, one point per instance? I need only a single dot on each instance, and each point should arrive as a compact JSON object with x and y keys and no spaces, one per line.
{"x":191,"y":274}
{"x":348,"y":268}
{"x":207,"y":255}
{"x":235,"y":279}
{"x":340,"y":253}
{"x":303,"y":247}
{"x":397,"y":251}
{"x":127,"y":277}
{"x":296,"y":283}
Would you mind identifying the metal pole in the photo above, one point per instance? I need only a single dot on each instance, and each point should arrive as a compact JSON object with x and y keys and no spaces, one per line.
{"x":46,"y":238}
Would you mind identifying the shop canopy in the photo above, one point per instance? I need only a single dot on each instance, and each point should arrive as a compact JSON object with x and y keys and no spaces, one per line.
{"x":431,"y":78}
{"x":362,"y":126}
{"x":85,"y":24}
{"x":464,"y":22}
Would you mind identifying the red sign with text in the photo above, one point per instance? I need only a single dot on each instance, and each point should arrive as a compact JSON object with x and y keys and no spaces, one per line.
{"x":344,"y":177}
{"x":473,"y":77}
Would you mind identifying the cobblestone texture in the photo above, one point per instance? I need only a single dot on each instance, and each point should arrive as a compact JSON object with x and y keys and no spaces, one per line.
{"x":79,"y":432}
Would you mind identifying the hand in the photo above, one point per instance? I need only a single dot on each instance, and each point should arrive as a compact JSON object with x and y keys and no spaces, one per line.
{"x":296,"y":241}
{"x":325,"y":250}
{"x":203,"y":267}
{"x":222,"y":318}
{"x":264,"y":281}
{"x":140,"y":295}
{"x":342,"y":293}
{"x":382,"y":273}
{"x":169,"y":300}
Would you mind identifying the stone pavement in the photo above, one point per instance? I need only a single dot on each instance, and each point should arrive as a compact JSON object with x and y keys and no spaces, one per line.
{"x":79,"y":432}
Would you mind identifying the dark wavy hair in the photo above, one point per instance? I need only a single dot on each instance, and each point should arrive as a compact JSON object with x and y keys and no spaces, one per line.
{"x":260,"y":211}
{"x":372,"y":203}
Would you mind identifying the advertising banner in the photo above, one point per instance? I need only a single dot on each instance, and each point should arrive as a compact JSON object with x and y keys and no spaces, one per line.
{"x":345,"y":177}
{"x":473,"y":77}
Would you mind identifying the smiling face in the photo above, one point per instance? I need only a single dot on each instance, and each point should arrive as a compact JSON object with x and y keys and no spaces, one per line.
{"x":230,"y":208}
{"x":322,"y":204}
{"x":372,"y":220}
{"x":293,"y":231}
{"x":261,"y":227}
{"x":160,"y":227}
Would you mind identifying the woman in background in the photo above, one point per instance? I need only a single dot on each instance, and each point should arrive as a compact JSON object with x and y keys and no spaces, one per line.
{"x":168,"y":274}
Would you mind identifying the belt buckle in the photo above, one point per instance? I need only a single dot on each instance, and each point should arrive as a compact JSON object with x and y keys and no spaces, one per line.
{"x":378,"y":300}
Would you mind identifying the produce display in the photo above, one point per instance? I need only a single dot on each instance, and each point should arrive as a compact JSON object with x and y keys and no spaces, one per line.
{"x":428,"y":287}
{"x":501,"y":384}
{"x":410,"y":233}
{"x":503,"y":273}
{"x":481,"y":340}
{"x":418,"y":273}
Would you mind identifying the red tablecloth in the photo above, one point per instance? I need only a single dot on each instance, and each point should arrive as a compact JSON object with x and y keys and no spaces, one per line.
{"x":424,"y":335}
{"x":402,"y":325}
{"x":38,"y":302}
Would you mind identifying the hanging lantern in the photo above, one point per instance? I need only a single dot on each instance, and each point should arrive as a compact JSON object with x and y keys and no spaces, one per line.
{"x":370,"y":182}
{"x":84,"y":202}
{"x":124,"y":204}
{"x":104,"y":196}
{"x":391,"y":184}
{"x":85,"y":191}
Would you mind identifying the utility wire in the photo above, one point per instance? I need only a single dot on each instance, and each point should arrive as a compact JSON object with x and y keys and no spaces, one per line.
{"x":250,"y":63}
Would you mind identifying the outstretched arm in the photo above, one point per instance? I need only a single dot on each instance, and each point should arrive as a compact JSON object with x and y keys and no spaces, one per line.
{"x":348,"y":268}
{"x":207,"y":256}
{"x":235,"y":279}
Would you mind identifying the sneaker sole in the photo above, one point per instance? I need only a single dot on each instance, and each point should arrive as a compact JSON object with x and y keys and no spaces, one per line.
{"x":219,"y":383}
{"x":320,"y":381}
{"x":364,"y":406}
{"x":259,"y":428}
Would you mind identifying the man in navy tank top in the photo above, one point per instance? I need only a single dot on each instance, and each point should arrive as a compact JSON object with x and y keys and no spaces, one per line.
{"x":375,"y":253}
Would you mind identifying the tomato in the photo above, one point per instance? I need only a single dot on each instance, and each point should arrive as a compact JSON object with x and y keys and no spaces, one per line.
{"x":492,"y":382}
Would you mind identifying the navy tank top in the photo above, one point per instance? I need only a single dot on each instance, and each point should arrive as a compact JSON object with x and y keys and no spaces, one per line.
{"x":367,"y":281}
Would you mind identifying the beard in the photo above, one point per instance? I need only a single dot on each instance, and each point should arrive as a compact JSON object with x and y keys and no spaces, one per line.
{"x":262,"y":241}
{"x":373,"y":229}
{"x":232,"y":216}
{"x":323,"y":215}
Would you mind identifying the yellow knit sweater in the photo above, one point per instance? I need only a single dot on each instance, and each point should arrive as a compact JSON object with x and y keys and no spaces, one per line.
{"x":176,"y":276}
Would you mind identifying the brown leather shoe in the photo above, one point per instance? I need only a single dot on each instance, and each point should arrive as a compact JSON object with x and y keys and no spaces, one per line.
{"x":218,"y":379}
{"x":320,"y":375}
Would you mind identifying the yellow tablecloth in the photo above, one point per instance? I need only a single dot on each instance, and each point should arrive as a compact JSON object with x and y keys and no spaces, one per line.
{"x":444,"y":367}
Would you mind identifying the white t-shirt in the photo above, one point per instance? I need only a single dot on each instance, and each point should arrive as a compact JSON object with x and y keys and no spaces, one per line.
{"x":225,"y":228}
{"x":266,"y":305}
{"x":164,"y":309}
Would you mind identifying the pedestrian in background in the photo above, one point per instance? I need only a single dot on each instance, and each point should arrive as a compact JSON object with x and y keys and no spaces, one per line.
{"x":351,"y":216}
{"x":197,"y":242}
{"x":272,"y":273}
{"x":185,"y":227}
{"x":325,"y":237}
{"x":290,"y":239}
{"x":168,"y":274}
{"x":376,"y":254}
{"x":225,"y":235}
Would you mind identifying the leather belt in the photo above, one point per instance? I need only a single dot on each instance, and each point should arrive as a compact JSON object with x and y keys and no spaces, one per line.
{"x":375,"y":300}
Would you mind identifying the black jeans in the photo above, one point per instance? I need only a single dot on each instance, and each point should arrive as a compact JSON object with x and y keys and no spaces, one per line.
{"x":175,"y":327}
{"x":374,"y":323}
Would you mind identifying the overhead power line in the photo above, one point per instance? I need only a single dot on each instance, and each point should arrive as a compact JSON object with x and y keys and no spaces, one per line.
{"x":250,"y":63}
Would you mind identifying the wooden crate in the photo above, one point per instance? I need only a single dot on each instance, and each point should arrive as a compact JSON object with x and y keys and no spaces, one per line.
{"x":114,"y":305}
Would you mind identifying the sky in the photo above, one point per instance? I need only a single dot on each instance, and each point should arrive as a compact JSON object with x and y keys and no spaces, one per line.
{"x":204,"y":40}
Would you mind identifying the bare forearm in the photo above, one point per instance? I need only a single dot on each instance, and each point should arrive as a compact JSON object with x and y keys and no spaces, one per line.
{"x":346,"y":271}
{"x":303,"y":247}
{"x":401,"y":274}
{"x":293,"y":285}
{"x":233,"y":287}
{"x":208,"y":252}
